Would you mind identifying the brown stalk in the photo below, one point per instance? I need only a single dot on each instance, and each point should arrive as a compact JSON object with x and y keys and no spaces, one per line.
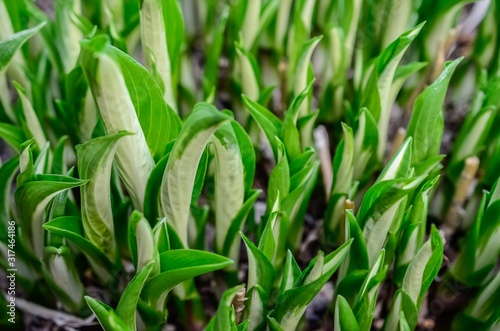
{"x":323,"y":145}
{"x":452,"y":220}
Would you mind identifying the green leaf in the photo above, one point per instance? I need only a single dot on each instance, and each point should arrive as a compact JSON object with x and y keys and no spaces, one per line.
{"x":250,"y":24}
{"x":300,"y":78}
{"x":483,"y":306}
{"x":343,"y":169}
{"x":223,"y":319}
{"x":247,"y":155}
{"x":290,"y":133}
{"x":249,"y":71}
{"x":279,"y":180}
{"x":26,"y":166}
{"x":477,"y":127}
{"x":43,"y":160}
{"x":268,"y":122}
{"x":158,"y":121}
{"x":12,"y":135}
{"x":13,"y":43}
{"x":68,"y":33}
{"x":299,"y":33}
{"x":58,"y":160}
{"x":441,"y":17}
{"x":106,"y":315}
{"x":365,"y":146}
{"x":267,"y":242}
{"x":33,"y":125}
{"x":162,"y":32}
{"x":424,"y":268}
{"x":231,"y":247}
{"x":141,"y":242}
{"x":32,"y":198}
{"x":400,"y":165}
{"x":427,"y":122}
{"x":344,"y":317}
{"x":260,"y":269}
{"x":106,"y":77}
{"x":306,"y":127}
{"x":161,"y":236}
{"x":292,"y":303}
{"x":70,"y":227}
{"x":243,"y":326}
{"x":412,"y":237}
{"x":7,"y":173}
{"x":488,"y":248}
{"x":153,"y":188}
{"x":402,"y":74}
{"x":403,"y":323}
{"x":357,"y":258}
{"x":210,"y":74}
{"x":381,"y":211}
{"x":376,"y":95}
{"x":291,"y":273}
{"x":174,"y":27}
{"x":282,"y":21}
{"x":199,"y":179}
{"x":302,"y":160}
{"x":273,"y":324}
{"x":61,"y":274}
{"x":258,"y":307}
{"x":126,"y":309}
{"x":81,"y":109}
{"x":280,"y":224}
{"x":295,"y":204}
{"x":179,"y":176}
{"x":480,"y":249}
{"x":402,"y":305}
{"x":95,"y":159}
{"x":178,"y":266}
{"x":229,"y":181}
{"x":364,"y":305}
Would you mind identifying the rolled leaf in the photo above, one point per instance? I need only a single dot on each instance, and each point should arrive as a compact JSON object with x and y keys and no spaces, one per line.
{"x":229,"y":181}
{"x":343,"y":169}
{"x":62,"y":276}
{"x":300,"y":79}
{"x":7,"y":173}
{"x":34,"y":127}
{"x":32,"y":198}
{"x":424,"y":268}
{"x":157,"y":43}
{"x":179,"y":177}
{"x":141,"y":242}
{"x":110,"y":91}
{"x":95,"y":159}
